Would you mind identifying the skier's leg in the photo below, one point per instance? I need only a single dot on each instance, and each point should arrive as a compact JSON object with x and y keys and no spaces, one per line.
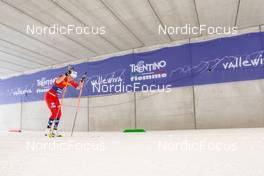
{"x":50,"y":101}
{"x":50,"y":122}
{"x":48,"y":130}
{"x":57,"y":119}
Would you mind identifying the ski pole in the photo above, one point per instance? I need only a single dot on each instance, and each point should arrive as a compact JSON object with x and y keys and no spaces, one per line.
{"x":77,"y":109}
{"x":62,"y":98}
{"x":84,"y":77}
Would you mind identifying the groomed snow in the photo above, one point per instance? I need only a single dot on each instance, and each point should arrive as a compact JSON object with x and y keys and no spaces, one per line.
{"x":225,"y":152}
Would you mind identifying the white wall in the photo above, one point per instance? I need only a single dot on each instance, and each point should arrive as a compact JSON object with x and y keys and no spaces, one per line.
{"x":114,"y":112}
{"x":10,"y":116}
{"x":226,"y":105}
{"x":165,"y":111}
{"x":239,"y":104}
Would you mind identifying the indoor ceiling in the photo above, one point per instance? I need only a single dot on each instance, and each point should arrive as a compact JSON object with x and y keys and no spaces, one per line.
{"x":128,"y":24}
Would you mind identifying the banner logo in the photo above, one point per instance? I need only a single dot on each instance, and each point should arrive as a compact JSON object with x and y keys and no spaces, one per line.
{"x":252,"y":60}
{"x":20,"y":91}
{"x":148,"y":71}
{"x":44,"y":84}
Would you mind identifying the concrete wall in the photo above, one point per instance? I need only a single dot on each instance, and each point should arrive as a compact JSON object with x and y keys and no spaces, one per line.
{"x":226,"y":105}
{"x":68,"y":114}
{"x":165,"y":111}
{"x":231,"y":105}
{"x":114,"y":112}
{"x":10,"y":116}
{"x":34,"y":115}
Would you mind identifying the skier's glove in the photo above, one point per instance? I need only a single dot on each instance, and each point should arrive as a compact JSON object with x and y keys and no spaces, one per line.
{"x":84,"y":77}
{"x":68,"y":73}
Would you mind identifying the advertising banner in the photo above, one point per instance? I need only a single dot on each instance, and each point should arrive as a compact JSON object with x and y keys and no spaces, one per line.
{"x":216,"y":61}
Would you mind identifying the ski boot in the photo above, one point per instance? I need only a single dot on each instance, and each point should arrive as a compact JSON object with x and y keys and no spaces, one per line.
{"x":49,"y":133}
{"x":56,"y":133}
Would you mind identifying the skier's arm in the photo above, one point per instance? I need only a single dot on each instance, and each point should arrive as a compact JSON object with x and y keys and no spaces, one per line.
{"x":80,"y":85}
{"x":84,"y":77}
{"x":76,"y":85}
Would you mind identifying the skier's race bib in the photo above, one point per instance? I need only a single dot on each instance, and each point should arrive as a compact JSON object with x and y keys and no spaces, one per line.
{"x":57,"y":89}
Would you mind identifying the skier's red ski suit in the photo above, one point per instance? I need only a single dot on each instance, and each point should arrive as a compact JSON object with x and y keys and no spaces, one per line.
{"x":52,"y":97}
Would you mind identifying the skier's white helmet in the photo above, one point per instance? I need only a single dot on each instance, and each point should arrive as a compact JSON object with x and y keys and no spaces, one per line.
{"x":74,"y":74}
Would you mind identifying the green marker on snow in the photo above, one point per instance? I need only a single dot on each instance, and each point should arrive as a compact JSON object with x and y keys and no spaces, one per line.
{"x":136,"y":130}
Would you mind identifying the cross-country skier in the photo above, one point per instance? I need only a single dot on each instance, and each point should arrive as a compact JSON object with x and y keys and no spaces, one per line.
{"x":52,"y":99}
